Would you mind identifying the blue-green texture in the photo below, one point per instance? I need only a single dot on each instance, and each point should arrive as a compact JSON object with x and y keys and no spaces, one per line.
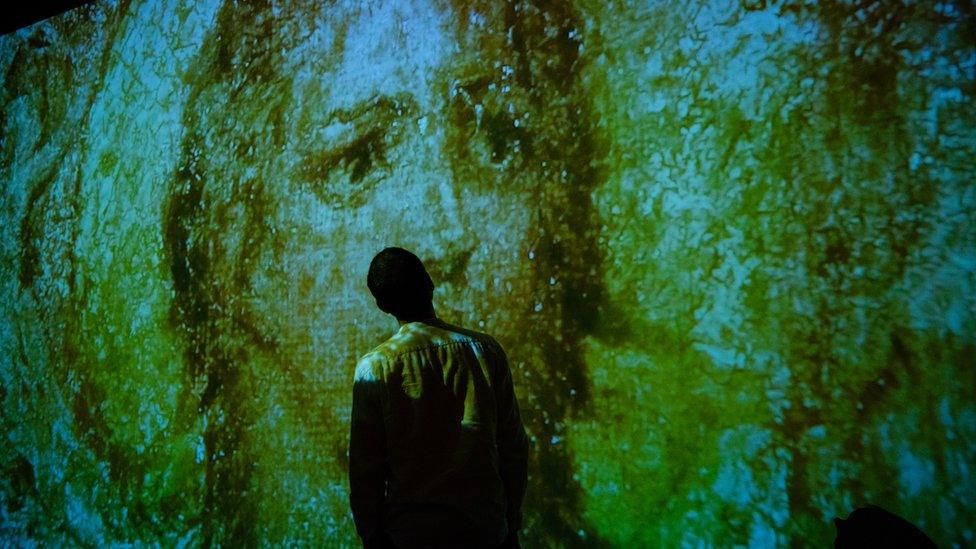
{"x":729,"y":247}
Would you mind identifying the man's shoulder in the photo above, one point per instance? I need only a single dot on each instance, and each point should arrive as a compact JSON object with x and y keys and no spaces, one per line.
{"x":487,"y":346}
{"x":374,"y":365}
{"x":371,"y":366}
{"x":424,"y":335}
{"x":460,"y":333}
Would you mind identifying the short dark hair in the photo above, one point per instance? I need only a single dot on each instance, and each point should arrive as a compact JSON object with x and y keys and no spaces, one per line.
{"x":400,"y":283}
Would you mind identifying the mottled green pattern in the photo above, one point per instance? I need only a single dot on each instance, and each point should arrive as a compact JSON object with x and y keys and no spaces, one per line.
{"x":730,"y":248}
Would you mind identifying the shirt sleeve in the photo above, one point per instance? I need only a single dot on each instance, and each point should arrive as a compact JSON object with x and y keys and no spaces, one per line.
{"x":367,"y":456}
{"x":513,"y":445}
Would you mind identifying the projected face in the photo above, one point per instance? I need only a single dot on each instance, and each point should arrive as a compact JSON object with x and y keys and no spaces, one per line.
{"x":308,"y":151}
{"x":368,"y":158}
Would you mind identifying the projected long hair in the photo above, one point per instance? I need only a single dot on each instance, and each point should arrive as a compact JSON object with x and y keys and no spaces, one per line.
{"x":562,"y":150}
{"x":216,"y":229}
{"x":214,"y":224}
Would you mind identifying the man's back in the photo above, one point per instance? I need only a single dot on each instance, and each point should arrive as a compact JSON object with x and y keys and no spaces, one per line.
{"x":435,"y":417}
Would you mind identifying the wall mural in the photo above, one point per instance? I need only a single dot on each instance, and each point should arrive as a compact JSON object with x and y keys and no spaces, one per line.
{"x":730,"y":248}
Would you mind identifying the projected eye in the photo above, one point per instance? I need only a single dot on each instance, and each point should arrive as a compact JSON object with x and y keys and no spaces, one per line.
{"x":348,"y":153}
{"x":344,"y":175}
{"x":493,"y":131}
{"x":501,"y":135}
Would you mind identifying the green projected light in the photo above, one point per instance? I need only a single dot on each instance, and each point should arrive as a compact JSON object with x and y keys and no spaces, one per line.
{"x":729,"y":247}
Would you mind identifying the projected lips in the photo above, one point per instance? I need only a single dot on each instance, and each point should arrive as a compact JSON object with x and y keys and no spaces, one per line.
{"x":727,"y":248}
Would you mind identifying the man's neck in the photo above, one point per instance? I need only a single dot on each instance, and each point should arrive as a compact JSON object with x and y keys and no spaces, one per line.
{"x":426,"y":318}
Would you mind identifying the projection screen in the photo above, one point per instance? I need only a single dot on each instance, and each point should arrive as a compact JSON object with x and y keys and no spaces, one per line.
{"x":729,"y":247}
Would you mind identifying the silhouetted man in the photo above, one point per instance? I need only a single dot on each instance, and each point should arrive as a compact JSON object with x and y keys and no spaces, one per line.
{"x":437,"y":453}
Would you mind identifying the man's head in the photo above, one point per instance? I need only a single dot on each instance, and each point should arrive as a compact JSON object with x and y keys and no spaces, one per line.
{"x":400,"y":283}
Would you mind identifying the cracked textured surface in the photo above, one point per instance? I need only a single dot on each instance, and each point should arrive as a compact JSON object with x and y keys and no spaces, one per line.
{"x":728,"y":247}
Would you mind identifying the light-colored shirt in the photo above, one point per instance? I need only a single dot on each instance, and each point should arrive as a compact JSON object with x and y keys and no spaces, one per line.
{"x":437,"y":452}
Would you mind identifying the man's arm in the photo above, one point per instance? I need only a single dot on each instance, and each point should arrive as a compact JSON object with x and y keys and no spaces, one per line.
{"x":367,"y":457}
{"x":513,"y":445}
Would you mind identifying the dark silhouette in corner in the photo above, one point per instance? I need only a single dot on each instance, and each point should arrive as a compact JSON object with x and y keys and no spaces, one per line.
{"x":438,"y":455}
{"x":873,"y":526}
